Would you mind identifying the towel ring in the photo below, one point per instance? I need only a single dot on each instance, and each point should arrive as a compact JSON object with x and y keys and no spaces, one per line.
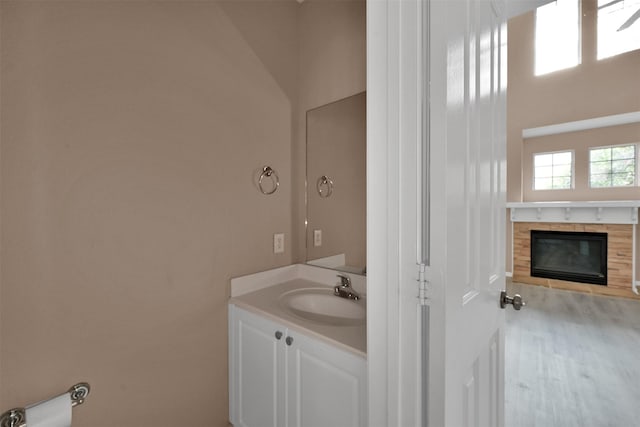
{"x":324,"y":181}
{"x":268,"y":172}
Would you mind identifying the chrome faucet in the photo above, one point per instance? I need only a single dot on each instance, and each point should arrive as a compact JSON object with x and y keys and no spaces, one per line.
{"x":344,"y":289}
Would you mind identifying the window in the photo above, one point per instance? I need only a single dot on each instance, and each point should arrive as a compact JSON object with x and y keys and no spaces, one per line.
{"x":553,"y":171}
{"x":557,"y":36}
{"x":618,"y":27}
{"x":613,"y":166}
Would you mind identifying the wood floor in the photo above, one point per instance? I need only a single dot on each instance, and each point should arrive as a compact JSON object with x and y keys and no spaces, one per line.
{"x":572,"y":359}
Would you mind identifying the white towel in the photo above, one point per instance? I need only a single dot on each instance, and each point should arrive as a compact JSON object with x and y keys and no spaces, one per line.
{"x":54,"y":412}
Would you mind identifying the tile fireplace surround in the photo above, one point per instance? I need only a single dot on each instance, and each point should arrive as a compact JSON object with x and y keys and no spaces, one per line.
{"x":616,"y":218}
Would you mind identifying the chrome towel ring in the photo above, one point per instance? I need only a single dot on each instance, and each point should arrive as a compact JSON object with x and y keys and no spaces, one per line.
{"x":268,"y":172}
{"x":324,"y":182}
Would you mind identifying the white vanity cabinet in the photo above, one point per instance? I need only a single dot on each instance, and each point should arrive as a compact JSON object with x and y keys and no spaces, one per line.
{"x":282,"y":377}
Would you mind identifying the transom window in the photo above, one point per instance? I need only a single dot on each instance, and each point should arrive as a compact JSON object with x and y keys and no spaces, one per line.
{"x":612,"y":166}
{"x":618,"y":27}
{"x":553,"y":171}
{"x":557,"y":36}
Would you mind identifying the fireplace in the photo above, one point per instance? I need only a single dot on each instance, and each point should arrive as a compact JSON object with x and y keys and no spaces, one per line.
{"x":617,"y":219}
{"x":566,"y":255}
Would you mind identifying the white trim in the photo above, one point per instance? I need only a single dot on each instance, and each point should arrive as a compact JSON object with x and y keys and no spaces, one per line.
{"x":508,"y":274}
{"x":635,"y":164}
{"x":380,"y":65}
{"x":634,"y":284}
{"x":582,"y":204}
{"x":512,"y":240}
{"x":611,"y":212}
{"x":578,"y":125}
{"x":393,"y":136}
{"x":572,"y":185}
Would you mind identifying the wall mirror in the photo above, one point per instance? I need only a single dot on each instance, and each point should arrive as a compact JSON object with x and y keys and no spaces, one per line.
{"x":336,"y":185}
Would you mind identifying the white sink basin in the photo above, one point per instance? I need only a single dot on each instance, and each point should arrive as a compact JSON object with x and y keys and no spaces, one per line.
{"x":322,"y":306}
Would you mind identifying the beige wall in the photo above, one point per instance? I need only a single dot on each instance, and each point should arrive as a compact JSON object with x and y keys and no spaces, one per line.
{"x":332,"y":66}
{"x":592,"y":89}
{"x":579,"y":143}
{"x":131,"y":135}
{"x":271,"y":29}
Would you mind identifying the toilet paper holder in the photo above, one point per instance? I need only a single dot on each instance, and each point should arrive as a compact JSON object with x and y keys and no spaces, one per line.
{"x":16,"y":417}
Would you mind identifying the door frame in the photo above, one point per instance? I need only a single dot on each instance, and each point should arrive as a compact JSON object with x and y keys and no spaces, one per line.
{"x":394,"y":111}
{"x":393,"y":132}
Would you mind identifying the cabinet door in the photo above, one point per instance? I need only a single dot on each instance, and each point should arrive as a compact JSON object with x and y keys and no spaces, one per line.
{"x":326,"y":386}
{"x":256,"y":360}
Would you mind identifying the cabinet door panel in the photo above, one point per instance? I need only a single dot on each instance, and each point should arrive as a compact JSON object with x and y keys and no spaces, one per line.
{"x":258,"y":372}
{"x":327,"y":387}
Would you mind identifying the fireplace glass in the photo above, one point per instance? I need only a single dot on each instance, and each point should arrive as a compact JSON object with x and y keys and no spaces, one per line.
{"x":572,"y":256}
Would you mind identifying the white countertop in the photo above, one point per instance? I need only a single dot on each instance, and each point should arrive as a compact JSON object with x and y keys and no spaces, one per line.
{"x":266,"y":302}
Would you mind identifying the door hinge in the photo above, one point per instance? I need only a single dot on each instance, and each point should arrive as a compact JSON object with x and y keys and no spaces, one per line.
{"x":423,"y":284}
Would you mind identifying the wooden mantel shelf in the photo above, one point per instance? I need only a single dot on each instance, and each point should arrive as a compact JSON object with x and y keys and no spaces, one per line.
{"x":596,"y":212}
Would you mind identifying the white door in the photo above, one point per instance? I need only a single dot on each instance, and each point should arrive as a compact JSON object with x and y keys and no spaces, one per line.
{"x":436,"y":150}
{"x":467,"y":215}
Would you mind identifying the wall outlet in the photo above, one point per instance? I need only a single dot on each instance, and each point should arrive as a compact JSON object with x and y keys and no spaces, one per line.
{"x":278,"y":243}
{"x":317,"y":237}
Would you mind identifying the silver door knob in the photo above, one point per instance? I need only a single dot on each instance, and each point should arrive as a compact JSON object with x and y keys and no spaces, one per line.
{"x":516,"y":300}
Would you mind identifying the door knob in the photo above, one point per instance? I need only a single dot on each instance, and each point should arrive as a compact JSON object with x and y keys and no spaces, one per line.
{"x":516,"y":300}
{"x":278,"y":335}
{"x":289,"y":340}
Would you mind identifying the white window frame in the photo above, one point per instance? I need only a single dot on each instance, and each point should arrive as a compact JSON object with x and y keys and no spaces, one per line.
{"x":635,"y":175}
{"x":573,"y":170}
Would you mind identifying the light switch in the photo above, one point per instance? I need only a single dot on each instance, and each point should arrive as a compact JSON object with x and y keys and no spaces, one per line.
{"x":278,"y":243}
{"x":317,"y":237}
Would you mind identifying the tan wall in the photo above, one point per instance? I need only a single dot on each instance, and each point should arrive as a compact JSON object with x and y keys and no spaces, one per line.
{"x":131,"y":135}
{"x":332,"y":66}
{"x":271,"y":29}
{"x":579,"y":143}
{"x":592,"y":89}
